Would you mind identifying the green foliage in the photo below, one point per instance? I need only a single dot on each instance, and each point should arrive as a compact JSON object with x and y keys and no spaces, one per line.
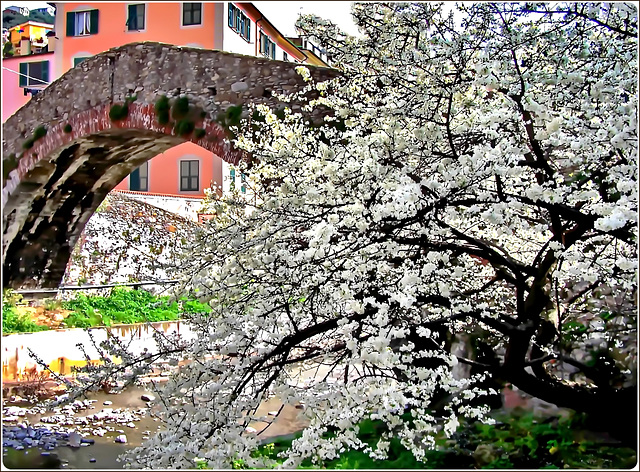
{"x":126,"y":306}
{"x":11,"y":18}
{"x":39,"y":132}
{"x":180,"y":108}
{"x":184,"y":127}
{"x":12,"y":321}
{"x":200,"y":133}
{"x":67,"y":128}
{"x":28,"y":144}
{"x":203,"y":114}
{"x":7,"y":49}
{"x":522,"y":441}
{"x":162,"y":109}
{"x":517,"y":442}
{"x":119,"y":112}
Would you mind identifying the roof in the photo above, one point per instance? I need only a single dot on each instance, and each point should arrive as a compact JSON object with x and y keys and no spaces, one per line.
{"x":273,"y":31}
{"x":32,"y":23}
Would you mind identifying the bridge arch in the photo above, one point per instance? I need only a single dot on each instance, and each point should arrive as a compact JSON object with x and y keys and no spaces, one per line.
{"x":62,"y":176}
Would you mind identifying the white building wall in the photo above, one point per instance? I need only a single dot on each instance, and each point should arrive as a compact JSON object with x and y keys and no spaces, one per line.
{"x":232,"y":41}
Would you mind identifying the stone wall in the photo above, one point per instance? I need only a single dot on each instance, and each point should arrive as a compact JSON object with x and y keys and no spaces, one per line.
{"x":63,"y":177}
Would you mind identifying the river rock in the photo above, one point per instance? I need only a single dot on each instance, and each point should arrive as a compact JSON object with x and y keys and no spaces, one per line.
{"x":273,"y":413}
{"x":87,"y":441}
{"x":107,"y":402}
{"x":93,"y":459}
{"x":147,"y":397}
{"x":122,"y":439}
{"x":74,"y":439}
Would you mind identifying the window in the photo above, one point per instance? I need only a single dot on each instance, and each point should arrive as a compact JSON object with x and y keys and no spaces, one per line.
{"x":285,"y":57}
{"x":135,"y":21}
{"x":239,"y":22}
{"x":267,"y":47}
{"x":139,"y":178}
{"x":189,"y":175}
{"x":34,"y":73}
{"x":82,"y":23}
{"x":78,"y":60}
{"x":191,"y":14}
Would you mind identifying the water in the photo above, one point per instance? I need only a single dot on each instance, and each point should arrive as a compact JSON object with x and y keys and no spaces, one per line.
{"x":105,"y":450}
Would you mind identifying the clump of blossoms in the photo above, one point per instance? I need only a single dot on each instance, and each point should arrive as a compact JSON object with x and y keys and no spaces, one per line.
{"x":474,"y":178}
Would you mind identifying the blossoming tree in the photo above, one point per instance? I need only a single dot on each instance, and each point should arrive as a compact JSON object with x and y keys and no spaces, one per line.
{"x":474,"y":175}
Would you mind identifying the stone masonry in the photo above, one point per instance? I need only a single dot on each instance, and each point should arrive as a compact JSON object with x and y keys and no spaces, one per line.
{"x":64,"y":177}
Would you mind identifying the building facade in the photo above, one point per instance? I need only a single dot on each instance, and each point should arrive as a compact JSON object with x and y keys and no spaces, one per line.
{"x":85,"y":29}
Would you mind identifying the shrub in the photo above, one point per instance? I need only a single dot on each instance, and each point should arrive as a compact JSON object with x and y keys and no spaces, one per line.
{"x":180,"y":108}
{"x":67,"y":128}
{"x":39,"y":132}
{"x":118,"y":112}
{"x":200,"y":133}
{"x":184,"y":127}
{"x":162,"y":109}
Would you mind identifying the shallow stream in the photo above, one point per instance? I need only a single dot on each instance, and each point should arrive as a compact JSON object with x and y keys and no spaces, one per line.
{"x":103,"y":453}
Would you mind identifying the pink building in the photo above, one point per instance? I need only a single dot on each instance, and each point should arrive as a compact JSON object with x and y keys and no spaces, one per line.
{"x":85,"y":29}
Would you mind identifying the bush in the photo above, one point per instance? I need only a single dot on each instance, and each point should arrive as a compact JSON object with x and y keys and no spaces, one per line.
{"x":184,"y":127}
{"x":67,"y":128}
{"x":200,"y":133}
{"x":180,"y":108}
{"x":162,"y":110}
{"x":39,"y":132}
{"x":118,"y":112}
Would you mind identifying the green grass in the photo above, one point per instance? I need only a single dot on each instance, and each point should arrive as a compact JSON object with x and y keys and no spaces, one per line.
{"x":122,"y":306}
{"x":13,"y":322}
{"x":126,"y":306}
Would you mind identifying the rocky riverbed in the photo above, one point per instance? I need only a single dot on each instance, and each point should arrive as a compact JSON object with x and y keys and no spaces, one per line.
{"x":79,"y":432}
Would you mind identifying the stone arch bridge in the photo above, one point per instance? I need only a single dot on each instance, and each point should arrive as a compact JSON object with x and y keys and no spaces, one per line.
{"x":63,"y":176}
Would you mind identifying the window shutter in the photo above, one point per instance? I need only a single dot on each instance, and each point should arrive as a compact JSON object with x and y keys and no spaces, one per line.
{"x":24,"y":71}
{"x":231,"y":23}
{"x":93,"y":18}
{"x":71,"y":18}
{"x":133,"y":18}
{"x":45,"y":71}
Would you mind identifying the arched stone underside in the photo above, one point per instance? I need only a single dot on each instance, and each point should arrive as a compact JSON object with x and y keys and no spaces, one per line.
{"x":62,"y":179}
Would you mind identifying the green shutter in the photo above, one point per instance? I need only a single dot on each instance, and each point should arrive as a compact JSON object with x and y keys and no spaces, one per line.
{"x":93,"y":19}
{"x":45,"y":71}
{"x":24,"y":71}
{"x":132,"y":20}
{"x":71,"y":18}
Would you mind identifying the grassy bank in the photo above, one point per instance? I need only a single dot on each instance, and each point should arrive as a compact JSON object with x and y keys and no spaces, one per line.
{"x":122,"y":306}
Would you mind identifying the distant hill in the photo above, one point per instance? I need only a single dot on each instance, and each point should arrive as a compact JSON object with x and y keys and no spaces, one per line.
{"x":11,"y":18}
